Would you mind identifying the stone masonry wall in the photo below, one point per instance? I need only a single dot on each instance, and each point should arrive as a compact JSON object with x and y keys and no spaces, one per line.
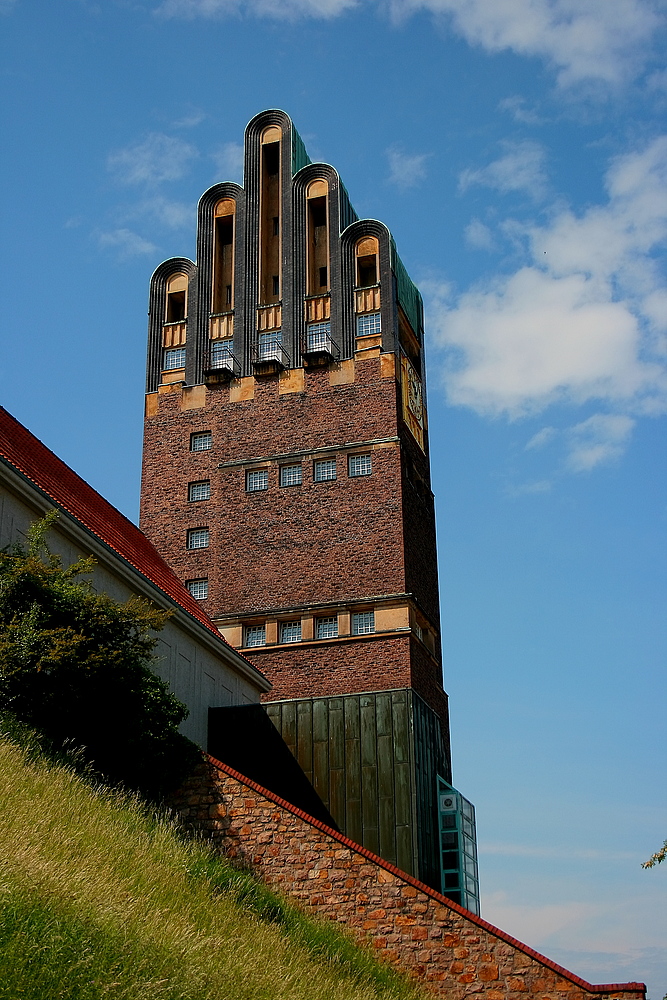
{"x":454,"y":953}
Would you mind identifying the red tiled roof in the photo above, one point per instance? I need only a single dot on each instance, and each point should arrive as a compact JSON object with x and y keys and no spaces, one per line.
{"x":438,"y":897}
{"x":61,"y":484}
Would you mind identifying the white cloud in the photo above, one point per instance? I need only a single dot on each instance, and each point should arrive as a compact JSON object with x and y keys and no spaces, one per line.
{"x":156,"y":159}
{"x":583,"y":322}
{"x":406,"y":170}
{"x":279,"y":9}
{"x":600,"y":40}
{"x":599,"y":440}
{"x":521,"y":168}
{"x":127,"y":243}
{"x":172,"y":214}
{"x":542,"y":438}
{"x":229,"y":162}
{"x":516,"y":107}
{"x":479,"y":236}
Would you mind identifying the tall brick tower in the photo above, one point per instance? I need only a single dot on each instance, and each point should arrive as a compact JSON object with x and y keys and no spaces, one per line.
{"x":286,"y":480}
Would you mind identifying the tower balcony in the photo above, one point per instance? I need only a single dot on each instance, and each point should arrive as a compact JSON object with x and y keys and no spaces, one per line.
{"x":268,"y":354}
{"x":317,"y":347}
{"x":221,"y":363}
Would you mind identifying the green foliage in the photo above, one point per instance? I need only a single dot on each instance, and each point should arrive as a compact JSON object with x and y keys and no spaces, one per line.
{"x":75,"y":665}
{"x":656,"y":859}
{"x":100,"y":898}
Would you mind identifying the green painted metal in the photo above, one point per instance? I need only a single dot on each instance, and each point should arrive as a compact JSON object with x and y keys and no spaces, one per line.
{"x":300,"y":157}
{"x":374,"y":759}
{"x":407,"y":293}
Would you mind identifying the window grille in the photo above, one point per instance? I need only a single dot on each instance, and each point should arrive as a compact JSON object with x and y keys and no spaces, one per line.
{"x":290,"y":631}
{"x":368,"y":324}
{"x":270,"y":346}
{"x":326,"y":628}
{"x":256,"y":480}
{"x":324,"y":469}
{"x":222,"y":355}
{"x":255,"y":635}
{"x":198,"y":589}
{"x":319,"y":336}
{"x":174,"y":359}
{"x":202,"y":441}
{"x":363,"y":622}
{"x":359,"y":465}
{"x":198,"y":538}
{"x":291,"y":475}
{"x":199,"y":491}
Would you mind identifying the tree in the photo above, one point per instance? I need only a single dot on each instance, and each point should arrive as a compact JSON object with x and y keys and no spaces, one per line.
{"x":656,"y":858}
{"x":75,"y":665}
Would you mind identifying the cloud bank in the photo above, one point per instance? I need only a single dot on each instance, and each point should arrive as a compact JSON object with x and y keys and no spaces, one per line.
{"x":582,"y":321}
{"x":602,"y":40}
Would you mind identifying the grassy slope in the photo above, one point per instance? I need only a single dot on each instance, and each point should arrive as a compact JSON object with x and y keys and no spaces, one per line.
{"x":97,"y":899}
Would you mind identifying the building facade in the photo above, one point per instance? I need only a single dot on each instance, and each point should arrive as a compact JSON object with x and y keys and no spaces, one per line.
{"x":201,"y":669}
{"x":286,"y":481}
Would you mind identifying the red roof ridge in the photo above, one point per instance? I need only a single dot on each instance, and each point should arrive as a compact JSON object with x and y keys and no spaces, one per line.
{"x":54,"y":478}
{"x":438,"y":897}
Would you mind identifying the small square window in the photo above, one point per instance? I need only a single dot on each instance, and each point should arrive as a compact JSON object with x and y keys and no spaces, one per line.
{"x":368,"y":324}
{"x":324,"y":469}
{"x":290,"y":631}
{"x":359,"y":465}
{"x":291,"y":475}
{"x":326,"y":628}
{"x":202,"y":441}
{"x":270,"y":348}
{"x":256,"y":480}
{"x":174,"y":359}
{"x":255,"y":635}
{"x":363,"y":622}
{"x":199,"y":491}
{"x":198,"y":538}
{"x":198,"y":589}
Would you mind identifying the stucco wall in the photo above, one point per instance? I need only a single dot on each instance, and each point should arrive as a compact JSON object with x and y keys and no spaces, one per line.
{"x":185,"y":654}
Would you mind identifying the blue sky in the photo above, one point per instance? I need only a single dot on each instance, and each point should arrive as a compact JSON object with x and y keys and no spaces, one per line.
{"x":517,"y":149}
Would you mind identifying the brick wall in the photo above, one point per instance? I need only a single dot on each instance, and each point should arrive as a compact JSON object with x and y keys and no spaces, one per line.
{"x":453,"y":952}
{"x":339,"y":541}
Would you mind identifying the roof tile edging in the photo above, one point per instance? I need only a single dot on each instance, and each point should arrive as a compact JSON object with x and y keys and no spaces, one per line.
{"x":410,"y":880}
{"x":200,"y":617}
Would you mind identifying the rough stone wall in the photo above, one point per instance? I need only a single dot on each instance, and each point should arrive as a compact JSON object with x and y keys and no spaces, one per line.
{"x":454,"y":953}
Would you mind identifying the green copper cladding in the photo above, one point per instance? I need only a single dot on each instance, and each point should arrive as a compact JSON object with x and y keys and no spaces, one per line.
{"x":407,"y":293}
{"x":300,"y":157}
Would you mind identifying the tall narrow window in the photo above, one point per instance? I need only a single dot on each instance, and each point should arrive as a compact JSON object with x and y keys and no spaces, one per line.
{"x":366,"y":253}
{"x":269,"y":223}
{"x":318,"y":237}
{"x":174,"y":327}
{"x":223,"y":256}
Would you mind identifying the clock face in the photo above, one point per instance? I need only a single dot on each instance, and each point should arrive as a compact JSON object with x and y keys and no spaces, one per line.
{"x":414,"y":394}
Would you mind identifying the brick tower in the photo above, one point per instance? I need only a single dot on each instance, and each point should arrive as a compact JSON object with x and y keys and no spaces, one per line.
{"x":286,"y":480}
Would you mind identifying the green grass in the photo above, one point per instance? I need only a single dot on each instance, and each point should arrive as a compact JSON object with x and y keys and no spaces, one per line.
{"x":101,"y":899}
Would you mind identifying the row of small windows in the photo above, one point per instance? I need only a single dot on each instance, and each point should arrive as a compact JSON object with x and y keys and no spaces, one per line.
{"x":324,"y":470}
{"x":361,"y":623}
{"x":257,"y":480}
{"x":318,"y":338}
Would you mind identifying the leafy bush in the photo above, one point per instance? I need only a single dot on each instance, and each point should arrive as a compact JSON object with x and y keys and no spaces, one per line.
{"x":75,"y":665}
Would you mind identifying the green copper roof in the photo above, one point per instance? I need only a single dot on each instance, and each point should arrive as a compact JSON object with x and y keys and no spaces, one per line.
{"x":407,"y":292}
{"x":300,"y":157}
